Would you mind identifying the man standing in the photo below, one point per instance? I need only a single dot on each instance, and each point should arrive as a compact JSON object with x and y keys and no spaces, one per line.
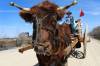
{"x":71,"y":21}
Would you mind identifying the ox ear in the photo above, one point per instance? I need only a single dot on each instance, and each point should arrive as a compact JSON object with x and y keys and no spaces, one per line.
{"x":26,"y":15}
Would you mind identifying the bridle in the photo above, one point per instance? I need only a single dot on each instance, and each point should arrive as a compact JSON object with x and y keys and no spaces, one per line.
{"x":40,"y":24}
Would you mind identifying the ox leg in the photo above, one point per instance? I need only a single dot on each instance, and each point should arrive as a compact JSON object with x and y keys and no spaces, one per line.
{"x":39,"y":60}
{"x":64,"y":62}
{"x":42,"y":60}
{"x":58,"y":63}
{"x":44,"y":64}
{"x":40,"y":64}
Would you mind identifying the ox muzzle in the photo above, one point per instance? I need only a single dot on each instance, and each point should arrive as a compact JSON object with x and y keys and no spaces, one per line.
{"x":43,"y":48}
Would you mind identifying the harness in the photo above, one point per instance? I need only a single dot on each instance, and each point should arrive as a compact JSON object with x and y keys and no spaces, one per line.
{"x":52,"y":28}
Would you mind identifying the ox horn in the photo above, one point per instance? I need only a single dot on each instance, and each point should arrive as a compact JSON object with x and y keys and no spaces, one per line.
{"x":68,"y":6}
{"x":19,"y":7}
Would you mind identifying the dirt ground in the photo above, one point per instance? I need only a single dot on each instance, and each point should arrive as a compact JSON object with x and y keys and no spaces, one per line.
{"x":13,"y":58}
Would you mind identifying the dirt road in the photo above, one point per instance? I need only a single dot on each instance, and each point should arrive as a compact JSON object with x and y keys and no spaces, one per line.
{"x":92,"y":57}
{"x":14,"y":58}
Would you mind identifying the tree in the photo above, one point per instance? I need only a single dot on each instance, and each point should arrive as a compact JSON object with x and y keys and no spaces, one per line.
{"x":95,"y":33}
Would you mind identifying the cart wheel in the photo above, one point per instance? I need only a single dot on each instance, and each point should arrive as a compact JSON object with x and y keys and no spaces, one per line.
{"x":85,"y":41}
{"x":77,"y":54}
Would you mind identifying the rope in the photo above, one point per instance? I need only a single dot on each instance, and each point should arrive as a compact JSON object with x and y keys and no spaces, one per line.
{"x":39,"y":25}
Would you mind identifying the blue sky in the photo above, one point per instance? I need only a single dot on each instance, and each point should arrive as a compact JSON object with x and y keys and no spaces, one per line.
{"x":11,"y":24}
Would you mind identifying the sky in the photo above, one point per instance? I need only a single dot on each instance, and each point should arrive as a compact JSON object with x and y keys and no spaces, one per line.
{"x":11,"y":23}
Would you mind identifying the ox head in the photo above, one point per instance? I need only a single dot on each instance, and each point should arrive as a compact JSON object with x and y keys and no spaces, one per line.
{"x":41,"y":15}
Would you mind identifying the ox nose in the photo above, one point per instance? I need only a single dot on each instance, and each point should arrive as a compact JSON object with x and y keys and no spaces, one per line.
{"x":39,"y":49}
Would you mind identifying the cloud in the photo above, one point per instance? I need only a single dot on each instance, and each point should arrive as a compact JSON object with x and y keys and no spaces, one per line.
{"x":94,"y":13}
{"x":91,"y":7}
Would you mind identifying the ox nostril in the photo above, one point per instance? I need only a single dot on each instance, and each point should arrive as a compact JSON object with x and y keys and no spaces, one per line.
{"x":36,"y":48}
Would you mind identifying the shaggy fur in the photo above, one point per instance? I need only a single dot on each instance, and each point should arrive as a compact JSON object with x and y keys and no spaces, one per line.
{"x":56,"y":36}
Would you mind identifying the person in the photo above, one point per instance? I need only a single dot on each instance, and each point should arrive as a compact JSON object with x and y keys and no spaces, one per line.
{"x":70,"y":20}
{"x":79,"y":27}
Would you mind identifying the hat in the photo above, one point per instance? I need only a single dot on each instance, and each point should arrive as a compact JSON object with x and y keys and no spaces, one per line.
{"x":69,"y":13}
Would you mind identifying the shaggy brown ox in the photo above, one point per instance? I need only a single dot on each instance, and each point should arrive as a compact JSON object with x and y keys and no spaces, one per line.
{"x":51,"y":39}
